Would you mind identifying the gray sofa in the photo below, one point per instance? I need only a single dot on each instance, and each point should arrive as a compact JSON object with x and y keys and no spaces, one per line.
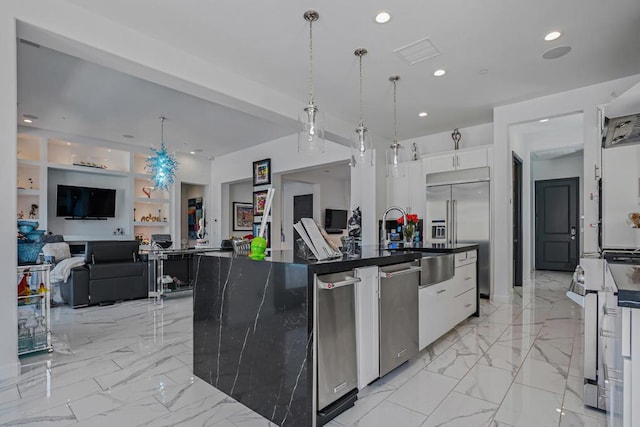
{"x":112,"y":272}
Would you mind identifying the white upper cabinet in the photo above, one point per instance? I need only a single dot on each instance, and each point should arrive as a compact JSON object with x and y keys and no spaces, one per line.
{"x":466,"y":158}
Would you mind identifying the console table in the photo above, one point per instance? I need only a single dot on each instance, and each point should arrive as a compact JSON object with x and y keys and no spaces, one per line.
{"x":171,"y":270}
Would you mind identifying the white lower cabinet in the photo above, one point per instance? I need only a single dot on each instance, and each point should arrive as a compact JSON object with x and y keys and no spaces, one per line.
{"x":443,"y":305}
{"x":367,"y":325}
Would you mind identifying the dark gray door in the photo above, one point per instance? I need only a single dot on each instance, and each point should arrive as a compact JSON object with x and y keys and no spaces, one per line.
{"x":517,"y":220}
{"x":302,"y":208}
{"x":557,"y":224}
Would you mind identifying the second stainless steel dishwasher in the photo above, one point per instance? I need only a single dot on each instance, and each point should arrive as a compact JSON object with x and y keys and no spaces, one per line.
{"x":398,"y":315}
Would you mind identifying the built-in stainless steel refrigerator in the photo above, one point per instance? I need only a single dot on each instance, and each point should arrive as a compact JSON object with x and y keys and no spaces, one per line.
{"x":458,"y":211}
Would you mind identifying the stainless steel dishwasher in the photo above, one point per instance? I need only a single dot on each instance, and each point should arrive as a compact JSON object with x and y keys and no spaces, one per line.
{"x":398,"y":315}
{"x":336,"y":331}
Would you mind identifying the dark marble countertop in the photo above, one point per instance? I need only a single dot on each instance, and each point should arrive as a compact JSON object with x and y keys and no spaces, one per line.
{"x":627,"y":278}
{"x":369,"y":255}
{"x":443,"y":248}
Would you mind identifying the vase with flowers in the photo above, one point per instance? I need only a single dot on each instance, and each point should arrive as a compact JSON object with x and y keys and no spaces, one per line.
{"x":409,"y":229}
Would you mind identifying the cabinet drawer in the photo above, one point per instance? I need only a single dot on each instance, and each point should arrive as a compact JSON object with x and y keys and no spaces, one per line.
{"x":434,"y":304}
{"x":464,"y":279}
{"x":466,"y":304}
{"x":464,"y":258}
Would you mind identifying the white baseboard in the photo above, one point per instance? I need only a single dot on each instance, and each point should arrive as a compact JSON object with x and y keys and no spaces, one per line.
{"x":9,"y":370}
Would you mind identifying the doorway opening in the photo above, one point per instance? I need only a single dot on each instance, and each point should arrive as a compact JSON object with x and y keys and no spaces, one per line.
{"x":556,"y":226}
{"x":191,"y":211}
{"x":517,"y":219}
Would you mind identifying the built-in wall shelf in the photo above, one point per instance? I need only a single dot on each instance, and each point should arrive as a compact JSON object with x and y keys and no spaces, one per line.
{"x":28,"y":162}
{"x":86,"y":169}
{"x":45,"y":162}
{"x":151,"y":200}
{"x":28,"y":192}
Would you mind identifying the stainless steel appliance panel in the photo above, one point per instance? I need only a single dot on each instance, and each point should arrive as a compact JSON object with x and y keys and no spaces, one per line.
{"x":436,"y":269}
{"x":471,"y":219}
{"x":336,"y":332}
{"x":398,"y":315}
{"x":439,"y":209}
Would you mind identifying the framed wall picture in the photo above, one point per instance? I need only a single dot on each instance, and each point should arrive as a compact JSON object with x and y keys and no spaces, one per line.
{"x":262,"y":172}
{"x":259,"y":202}
{"x":242,"y":216}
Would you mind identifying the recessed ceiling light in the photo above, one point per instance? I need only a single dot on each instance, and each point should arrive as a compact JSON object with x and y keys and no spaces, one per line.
{"x":192,"y":152}
{"x":383,"y":17}
{"x":439,"y":73}
{"x":553,"y":35}
{"x":423,"y":114}
{"x":109,"y":150}
{"x":543,"y":120}
{"x":27,"y":121}
{"x":68,"y":143}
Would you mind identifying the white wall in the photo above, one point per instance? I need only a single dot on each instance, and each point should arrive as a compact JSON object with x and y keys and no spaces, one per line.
{"x":585,"y":100}
{"x":9,"y":366}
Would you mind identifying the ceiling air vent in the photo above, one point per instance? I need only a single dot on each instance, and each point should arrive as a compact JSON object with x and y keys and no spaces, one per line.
{"x":417,"y":51}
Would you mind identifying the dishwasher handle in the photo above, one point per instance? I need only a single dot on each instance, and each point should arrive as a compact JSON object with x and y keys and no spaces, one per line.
{"x":332,"y":285}
{"x":392,"y":274}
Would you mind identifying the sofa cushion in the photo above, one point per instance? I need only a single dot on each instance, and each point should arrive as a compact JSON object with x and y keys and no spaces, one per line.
{"x":100,"y":251}
{"x":111,"y":270}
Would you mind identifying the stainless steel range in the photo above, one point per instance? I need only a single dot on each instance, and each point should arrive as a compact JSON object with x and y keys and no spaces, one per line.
{"x":594,"y":289}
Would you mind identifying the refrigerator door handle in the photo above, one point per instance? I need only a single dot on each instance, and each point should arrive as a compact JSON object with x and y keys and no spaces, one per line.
{"x":454,"y":218}
{"x":448,"y":236}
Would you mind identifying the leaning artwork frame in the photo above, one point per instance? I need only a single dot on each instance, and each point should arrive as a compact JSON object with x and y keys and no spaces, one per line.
{"x":242,"y":216}
{"x":262,"y":172}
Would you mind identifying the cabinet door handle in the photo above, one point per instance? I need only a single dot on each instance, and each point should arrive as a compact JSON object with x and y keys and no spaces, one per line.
{"x":453,"y":162}
{"x":467,"y":278}
{"x":441,"y":291}
{"x":467,"y":305}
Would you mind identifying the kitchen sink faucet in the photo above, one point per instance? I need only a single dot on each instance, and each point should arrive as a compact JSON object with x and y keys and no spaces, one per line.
{"x":384,"y":242}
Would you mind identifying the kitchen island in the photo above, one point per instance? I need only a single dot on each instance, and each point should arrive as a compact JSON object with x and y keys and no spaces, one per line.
{"x":254,"y":327}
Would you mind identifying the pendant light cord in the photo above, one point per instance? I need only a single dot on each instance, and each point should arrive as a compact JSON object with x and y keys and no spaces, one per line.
{"x":310,"y":62}
{"x":162,"y":131}
{"x":361,"y":95}
{"x":395,"y":115}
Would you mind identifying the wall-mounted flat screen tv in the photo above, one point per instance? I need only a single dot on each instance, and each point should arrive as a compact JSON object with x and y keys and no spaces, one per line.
{"x":85,"y":202}
{"x":335,"y":219}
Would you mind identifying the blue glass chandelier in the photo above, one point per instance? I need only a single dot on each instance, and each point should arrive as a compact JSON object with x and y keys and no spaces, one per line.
{"x":163,"y":165}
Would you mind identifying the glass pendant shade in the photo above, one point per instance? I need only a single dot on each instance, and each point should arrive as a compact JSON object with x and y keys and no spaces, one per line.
{"x":311,"y":131}
{"x":311,"y":121}
{"x":361,"y":147}
{"x":396,"y":160}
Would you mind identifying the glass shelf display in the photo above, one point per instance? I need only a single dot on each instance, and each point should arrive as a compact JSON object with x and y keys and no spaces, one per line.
{"x":34,"y":309}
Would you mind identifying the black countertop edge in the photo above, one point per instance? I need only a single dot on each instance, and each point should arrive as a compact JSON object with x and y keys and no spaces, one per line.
{"x":627,"y":279}
{"x":443,"y":248}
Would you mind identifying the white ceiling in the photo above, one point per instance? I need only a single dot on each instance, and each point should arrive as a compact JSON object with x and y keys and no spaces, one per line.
{"x":267,"y":42}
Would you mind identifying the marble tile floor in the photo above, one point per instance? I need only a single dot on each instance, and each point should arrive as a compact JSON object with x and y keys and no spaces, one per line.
{"x":129,"y":364}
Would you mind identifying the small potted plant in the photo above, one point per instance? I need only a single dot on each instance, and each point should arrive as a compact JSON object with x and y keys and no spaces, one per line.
{"x":409,"y":229}
{"x":633,"y":219}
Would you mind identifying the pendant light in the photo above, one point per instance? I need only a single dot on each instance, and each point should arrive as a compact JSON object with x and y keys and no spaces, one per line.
{"x":395,"y":153}
{"x":311,"y":127}
{"x":163,"y":165}
{"x":361,"y":145}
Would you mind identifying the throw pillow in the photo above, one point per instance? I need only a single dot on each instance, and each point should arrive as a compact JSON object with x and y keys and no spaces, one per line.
{"x":59,"y":251}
